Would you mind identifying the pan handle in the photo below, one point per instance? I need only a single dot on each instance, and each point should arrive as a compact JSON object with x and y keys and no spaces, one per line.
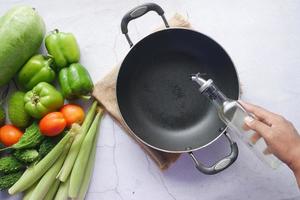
{"x":221,"y":164}
{"x":138,"y":12}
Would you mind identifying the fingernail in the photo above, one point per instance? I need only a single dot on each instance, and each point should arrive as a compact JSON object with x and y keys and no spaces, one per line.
{"x":248,"y":120}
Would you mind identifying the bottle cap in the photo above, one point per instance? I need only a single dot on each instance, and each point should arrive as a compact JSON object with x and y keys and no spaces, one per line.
{"x":204,"y":84}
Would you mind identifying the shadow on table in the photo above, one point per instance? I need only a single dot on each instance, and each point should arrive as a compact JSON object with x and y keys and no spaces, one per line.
{"x":5,"y":196}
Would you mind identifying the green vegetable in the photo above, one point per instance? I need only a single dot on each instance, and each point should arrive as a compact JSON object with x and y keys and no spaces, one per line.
{"x":50,"y":176}
{"x":75,"y":81}
{"x":2,"y":116}
{"x":9,"y":164}
{"x":88,"y":172}
{"x":52,"y":191}
{"x":74,"y":150}
{"x":8,"y":180}
{"x":63,"y":47}
{"x":30,"y":139}
{"x":47,"y":145}
{"x":21,"y":35}
{"x":3,"y":96}
{"x":62,"y":192}
{"x":35,"y":172}
{"x":26,"y":155}
{"x":16,"y":110}
{"x":42,"y":99}
{"x":28,"y":192}
{"x":37,"y":69}
{"x":79,"y":168}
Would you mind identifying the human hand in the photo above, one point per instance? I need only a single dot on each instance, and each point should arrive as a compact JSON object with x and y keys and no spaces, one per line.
{"x":280,"y":135}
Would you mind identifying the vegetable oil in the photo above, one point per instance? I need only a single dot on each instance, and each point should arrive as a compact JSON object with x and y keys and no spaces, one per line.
{"x":232,"y":113}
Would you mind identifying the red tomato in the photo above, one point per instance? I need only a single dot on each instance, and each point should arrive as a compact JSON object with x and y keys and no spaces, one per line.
{"x":10,"y":135}
{"x":52,"y":124}
{"x":73,"y":114}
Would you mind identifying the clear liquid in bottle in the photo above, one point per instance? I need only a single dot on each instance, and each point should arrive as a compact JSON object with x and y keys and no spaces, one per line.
{"x":233,"y":115}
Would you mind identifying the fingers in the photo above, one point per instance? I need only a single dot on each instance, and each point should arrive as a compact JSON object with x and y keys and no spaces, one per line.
{"x":245,"y":127}
{"x":267,"y":151}
{"x":255,"y":137}
{"x":261,"y":113}
{"x":258,"y":126}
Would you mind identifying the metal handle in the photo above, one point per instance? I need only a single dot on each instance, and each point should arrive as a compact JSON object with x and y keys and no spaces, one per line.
{"x":138,"y":12}
{"x":221,"y":164}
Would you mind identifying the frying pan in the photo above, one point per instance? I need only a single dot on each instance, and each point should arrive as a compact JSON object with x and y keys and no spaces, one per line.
{"x":158,"y":101}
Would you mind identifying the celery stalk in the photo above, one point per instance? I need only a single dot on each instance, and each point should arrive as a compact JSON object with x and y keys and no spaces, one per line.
{"x":49,"y":178}
{"x":72,"y":155}
{"x":35,"y":172}
{"x":79,"y":168}
{"x":62,"y":193}
{"x":52,"y":191}
{"x":89,"y":171}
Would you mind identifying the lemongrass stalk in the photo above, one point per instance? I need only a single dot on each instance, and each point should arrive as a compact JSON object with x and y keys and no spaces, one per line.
{"x":28,"y":192}
{"x":52,"y":191}
{"x":79,"y":168}
{"x":89,"y":171}
{"x":35,"y":172}
{"x":62,"y":193}
{"x":74,"y":150}
{"x":49,"y":178}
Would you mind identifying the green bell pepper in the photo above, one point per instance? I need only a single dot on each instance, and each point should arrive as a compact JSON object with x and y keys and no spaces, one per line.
{"x":75,"y":81}
{"x":37,"y":69}
{"x":63,"y":47}
{"x":42,"y":99}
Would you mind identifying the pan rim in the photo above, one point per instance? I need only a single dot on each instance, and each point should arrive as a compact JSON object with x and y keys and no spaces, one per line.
{"x":188,"y":149}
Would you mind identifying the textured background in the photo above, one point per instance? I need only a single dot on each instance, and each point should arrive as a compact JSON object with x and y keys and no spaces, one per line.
{"x":262,"y":38}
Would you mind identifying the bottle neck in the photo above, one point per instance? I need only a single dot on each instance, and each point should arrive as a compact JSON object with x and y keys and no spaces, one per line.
{"x":215,"y":96}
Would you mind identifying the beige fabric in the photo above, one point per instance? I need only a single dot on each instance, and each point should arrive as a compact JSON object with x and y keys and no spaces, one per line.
{"x":105,"y":93}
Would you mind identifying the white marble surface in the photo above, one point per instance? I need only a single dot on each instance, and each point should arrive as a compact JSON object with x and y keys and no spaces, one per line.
{"x":262,"y":38}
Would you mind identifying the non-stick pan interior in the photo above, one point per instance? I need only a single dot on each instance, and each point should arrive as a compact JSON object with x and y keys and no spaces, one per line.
{"x":156,"y":97}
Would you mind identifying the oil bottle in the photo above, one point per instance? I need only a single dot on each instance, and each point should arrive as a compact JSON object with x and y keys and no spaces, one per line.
{"x":232,"y":113}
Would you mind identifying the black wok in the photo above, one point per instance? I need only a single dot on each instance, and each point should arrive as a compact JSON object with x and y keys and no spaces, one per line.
{"x":157,"y":99}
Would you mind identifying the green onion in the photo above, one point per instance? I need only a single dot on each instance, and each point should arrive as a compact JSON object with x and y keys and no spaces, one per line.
{"x":62,"y":193}
{"x":72,"y":155}
{"x":35,"y":172}
{"x":52,"y":191}
{"x":48,"y":179}
{"x":89,"y":171}
{"x":79,"y":168}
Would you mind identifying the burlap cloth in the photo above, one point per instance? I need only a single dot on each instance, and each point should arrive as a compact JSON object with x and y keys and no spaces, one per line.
{"x":105,"y":93}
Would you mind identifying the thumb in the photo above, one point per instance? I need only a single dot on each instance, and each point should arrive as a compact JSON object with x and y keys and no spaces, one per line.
{"x":257,"y":126}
